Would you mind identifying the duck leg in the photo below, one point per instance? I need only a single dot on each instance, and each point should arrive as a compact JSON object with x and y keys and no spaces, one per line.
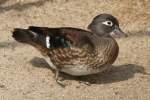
{"x":58,"y":80}
{"x":52,"y":66}
{"x":57,"y":72}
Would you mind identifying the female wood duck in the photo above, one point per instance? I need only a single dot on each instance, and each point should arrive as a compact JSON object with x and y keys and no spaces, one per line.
{"x":76,"y":51}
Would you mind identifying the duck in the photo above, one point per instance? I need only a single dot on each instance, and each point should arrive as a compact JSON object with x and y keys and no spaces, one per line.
{"x":75,"y":51}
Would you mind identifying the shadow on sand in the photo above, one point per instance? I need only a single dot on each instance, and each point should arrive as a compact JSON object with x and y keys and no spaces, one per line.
{"x":9,"y":45}
{"x":118,"y":73}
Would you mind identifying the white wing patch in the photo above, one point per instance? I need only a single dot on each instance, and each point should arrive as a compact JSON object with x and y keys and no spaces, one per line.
{"x":48,"y":42}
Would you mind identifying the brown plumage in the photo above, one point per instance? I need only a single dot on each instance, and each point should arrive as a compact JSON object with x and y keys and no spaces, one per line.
{"x":76,"y":51}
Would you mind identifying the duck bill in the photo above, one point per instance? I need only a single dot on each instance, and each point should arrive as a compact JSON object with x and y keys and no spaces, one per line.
{"x":119,"y":33}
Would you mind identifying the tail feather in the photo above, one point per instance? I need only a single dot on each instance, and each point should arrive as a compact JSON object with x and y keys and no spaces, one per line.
{"x":30,"y":37}
{"x":23,"y":35}
{"x":41,"y":36}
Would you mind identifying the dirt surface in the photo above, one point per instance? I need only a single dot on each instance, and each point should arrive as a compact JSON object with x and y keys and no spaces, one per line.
{"x":24,"y":75}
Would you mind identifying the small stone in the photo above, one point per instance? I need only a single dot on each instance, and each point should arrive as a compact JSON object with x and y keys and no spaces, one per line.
{"x":2,"y":86}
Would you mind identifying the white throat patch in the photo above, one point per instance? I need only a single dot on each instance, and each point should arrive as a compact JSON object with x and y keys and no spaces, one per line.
{"x":47,"y":41}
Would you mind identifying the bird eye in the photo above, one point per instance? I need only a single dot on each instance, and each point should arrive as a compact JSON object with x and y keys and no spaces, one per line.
{"x":108,"y":23}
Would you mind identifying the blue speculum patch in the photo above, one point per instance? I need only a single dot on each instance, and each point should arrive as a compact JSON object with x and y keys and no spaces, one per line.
{"x":58,"y":42}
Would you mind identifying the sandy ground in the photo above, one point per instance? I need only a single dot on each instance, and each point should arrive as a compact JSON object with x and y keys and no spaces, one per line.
{"x":24,"y":75}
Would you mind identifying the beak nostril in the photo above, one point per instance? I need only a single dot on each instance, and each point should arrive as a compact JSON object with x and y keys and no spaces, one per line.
{"x":119,"y":33}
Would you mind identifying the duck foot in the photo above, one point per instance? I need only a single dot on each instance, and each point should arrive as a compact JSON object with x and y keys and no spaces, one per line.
{"x":58,"y":80}
{"x":86,"y":83}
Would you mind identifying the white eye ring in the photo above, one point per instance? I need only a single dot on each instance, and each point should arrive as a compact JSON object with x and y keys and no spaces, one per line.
{"x":108,"y":23}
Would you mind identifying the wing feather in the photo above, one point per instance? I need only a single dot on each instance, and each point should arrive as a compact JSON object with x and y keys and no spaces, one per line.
{"x":65,"y":37}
